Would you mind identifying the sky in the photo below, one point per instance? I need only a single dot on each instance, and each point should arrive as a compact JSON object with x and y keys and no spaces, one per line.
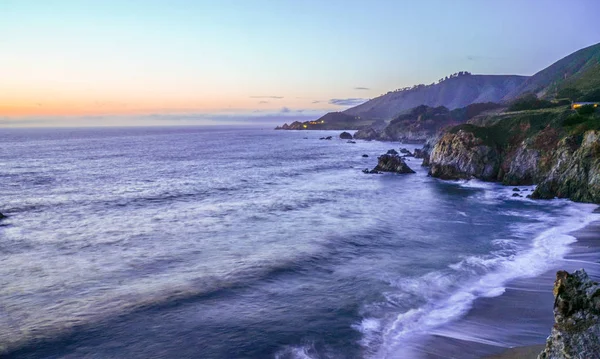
{"x":150,"y":62}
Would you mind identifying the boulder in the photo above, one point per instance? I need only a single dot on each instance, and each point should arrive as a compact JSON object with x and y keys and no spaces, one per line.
{"x":392,"y":163}
{"x":392,"y":152}
{"x":2,"y":216}
{"x":367,"y":134}
{"x":365,"y":155}
{"x":516,"y":189}
{"x":346,"y":136}
{"x":350,"y":141}
{"x":576,"y":330}
{"x":366,"y":170}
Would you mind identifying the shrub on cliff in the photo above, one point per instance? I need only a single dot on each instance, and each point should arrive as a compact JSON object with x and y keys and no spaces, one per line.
{"x":586,"y":110}
{"x":529,"y":102}
{"x":574,"y":119}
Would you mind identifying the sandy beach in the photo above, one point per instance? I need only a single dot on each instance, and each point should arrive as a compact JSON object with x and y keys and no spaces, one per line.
{"x":517,"y":323}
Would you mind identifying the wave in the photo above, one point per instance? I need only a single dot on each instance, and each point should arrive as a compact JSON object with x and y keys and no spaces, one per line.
{"x":449,"y":294}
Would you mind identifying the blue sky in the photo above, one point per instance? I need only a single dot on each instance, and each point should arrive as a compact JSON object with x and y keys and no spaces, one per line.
{"x":264,"y":59}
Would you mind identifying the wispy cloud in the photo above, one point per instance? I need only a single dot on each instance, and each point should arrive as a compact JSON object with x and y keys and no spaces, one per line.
{"x":361,"y":88}
{"x":262,"y":102}
{"x":285,"y":110}
{"x":317,"y":101}
{"x":268,"y":97}
{"x":346,"y":101}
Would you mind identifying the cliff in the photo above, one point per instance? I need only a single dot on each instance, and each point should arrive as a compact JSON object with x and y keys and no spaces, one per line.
{"x":576,"y":331}
{"x":556,"y":148}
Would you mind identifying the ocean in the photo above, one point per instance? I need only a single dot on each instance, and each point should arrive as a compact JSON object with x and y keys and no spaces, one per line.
{"x":201,"y":242}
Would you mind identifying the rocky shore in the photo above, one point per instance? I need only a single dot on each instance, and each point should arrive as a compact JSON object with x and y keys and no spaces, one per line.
{"x":529,"y":147}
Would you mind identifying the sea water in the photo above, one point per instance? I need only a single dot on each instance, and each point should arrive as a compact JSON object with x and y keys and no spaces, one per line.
{"x":200,"y":242}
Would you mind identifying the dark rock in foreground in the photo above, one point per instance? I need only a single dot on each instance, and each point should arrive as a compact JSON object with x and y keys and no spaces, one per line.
{"x":392,"y":152}
{"x":365,"y":155}
{"x":346,"y":136}
{"x":2,"y":216}
{"x":366,"y":134}
{"x":325,"y":138}
{"x":392,"y":163}
{"x":350,"y":141}
{"x":576,"y":331}
{"x":374,"y":171}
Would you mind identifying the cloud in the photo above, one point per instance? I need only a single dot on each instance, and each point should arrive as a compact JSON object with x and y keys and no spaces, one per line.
{"x":261,"y":102}
{"x":317,"y":101}
{"x":361,"y":88}
{"x":285,"y":110}
{"x":347,"y":101}
{"x":268,"y":97}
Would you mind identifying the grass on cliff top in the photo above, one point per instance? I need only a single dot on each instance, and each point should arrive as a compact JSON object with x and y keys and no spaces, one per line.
{"x":511,"y":128}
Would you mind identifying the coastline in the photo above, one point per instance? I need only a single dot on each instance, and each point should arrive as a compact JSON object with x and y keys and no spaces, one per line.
{"x":516,"y":323}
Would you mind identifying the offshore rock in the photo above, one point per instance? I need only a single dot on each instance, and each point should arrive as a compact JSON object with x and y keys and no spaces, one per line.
{"x":392,"y":152}
{"x":461,"y":155}
{"x":406,"y":152}
{"x":366,"y":134}
{"x":2,"y":216}
{"x":392,"y":163}
{"x":346,"y":136}
{"x":575,"y":173}
{"x":576,"y":331}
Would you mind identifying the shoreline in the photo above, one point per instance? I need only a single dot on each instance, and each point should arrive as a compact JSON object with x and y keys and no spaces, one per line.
{"x":586,"y":251}
{"x":516,"y":323}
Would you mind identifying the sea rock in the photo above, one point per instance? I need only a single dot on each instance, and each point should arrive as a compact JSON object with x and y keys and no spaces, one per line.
{"x":392,"y":163}
{"x":576,"y":330}
{"x":350,"y":141}
{"x":346,"y":136}
{"x":366,"y":134}
{"x":516,"y":189}
{"x":2,"y":216}
{"x":406,"y":152}
{"x":365,"y":155}
{"x":325,"y":138}
{"x":575,"y":171}
{"x":461,"y":155}
{"x":374,"y":171}
{"x":392,"y":152}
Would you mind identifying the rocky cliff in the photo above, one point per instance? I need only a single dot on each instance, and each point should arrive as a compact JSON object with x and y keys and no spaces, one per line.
{"x":576,"y":331}
{"x":545,"y":147}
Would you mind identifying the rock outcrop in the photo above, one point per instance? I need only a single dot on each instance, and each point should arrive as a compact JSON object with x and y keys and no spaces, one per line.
{"x":575,"y":173}
{"x":462,"y":155}
{"x":2,"y":216}
{"x":392,"y":163}
{"x":346,"y":136}
{"x":367,"y":134}
{"x":576,"y":331}
{"x":541,"y":146}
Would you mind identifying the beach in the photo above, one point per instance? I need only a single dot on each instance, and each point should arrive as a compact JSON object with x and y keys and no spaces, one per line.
{"x":517,"y":323}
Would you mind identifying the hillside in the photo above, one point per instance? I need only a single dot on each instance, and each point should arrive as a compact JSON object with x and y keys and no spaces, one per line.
{"x":580,"y":70}
{"x":423,"y":122}
{"x":454,"y":92}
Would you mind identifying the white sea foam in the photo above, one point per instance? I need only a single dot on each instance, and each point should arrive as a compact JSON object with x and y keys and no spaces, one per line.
{"x":450,"y":300}
{"x":295,"y":352}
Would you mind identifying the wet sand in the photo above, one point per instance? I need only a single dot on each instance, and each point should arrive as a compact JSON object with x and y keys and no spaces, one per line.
{"x":517,"y":323}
